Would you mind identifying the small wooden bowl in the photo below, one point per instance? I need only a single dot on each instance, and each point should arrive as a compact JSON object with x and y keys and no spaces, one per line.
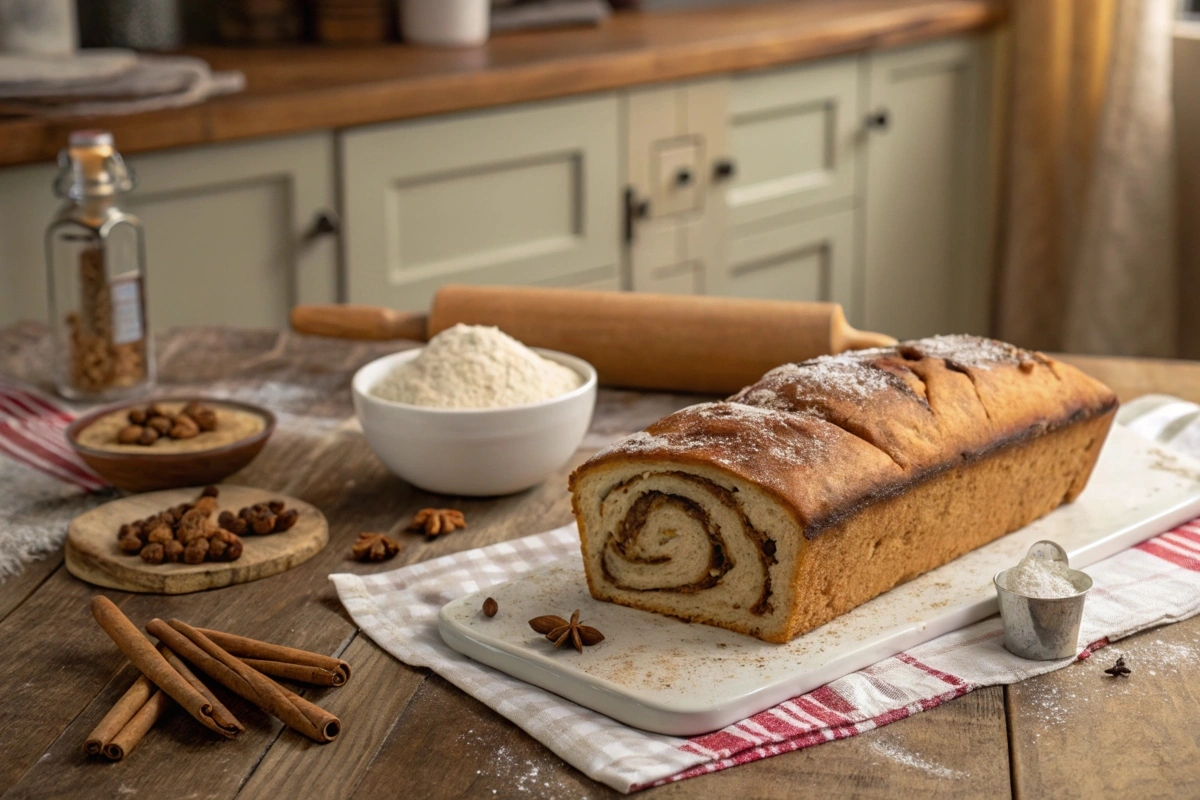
{"x":150,"y":471}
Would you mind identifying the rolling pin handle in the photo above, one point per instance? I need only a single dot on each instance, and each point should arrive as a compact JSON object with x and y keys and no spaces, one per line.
{"x":854,"y":339}
{"x":359,"y":322}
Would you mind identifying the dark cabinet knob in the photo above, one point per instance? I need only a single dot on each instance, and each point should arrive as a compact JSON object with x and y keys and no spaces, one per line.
{"x":635,"y":208}
{"x":878,"y":120}
{"x":683,"y":177}
{"x":326,"y":222}
{"x":724,"y":169}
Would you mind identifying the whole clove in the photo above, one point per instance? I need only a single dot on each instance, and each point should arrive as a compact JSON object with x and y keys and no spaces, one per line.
{"x":1118,"y":669}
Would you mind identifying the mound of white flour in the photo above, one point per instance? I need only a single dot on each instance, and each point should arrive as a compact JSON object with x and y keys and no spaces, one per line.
{"x":1040,"y":578}
{"x":475,"y":366}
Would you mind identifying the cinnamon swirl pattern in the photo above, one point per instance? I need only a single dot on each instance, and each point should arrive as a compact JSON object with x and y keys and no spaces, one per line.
{"x":678,"y":532}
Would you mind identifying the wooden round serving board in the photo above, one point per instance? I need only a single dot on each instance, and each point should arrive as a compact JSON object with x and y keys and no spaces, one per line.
{"x":92,"y":553}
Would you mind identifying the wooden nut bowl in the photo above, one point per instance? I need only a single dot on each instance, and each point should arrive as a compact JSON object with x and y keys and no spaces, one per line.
{"x":150,"y":471}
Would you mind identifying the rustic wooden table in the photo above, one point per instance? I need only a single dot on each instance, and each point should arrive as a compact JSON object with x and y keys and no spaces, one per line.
{"x":408,"y":733}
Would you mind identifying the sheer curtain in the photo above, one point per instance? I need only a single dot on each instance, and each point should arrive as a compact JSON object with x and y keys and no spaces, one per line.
{"x":1088,"y":251}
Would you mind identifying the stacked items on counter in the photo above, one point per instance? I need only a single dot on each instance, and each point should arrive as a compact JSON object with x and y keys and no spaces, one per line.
{"x":239,"y":664}
{"x":99,"y":82}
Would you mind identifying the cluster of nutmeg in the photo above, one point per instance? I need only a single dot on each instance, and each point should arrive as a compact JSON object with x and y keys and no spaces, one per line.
{"x":149,"y":424}
{"x":184,"y":533}
{"x":261,"y":518}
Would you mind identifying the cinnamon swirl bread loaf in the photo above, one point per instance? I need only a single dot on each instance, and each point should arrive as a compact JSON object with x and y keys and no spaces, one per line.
{"x":829,"y":482}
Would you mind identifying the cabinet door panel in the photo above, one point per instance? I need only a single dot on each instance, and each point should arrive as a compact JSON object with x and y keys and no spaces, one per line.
{"x":29,"y":203}
{"x":525,"y":195}
{"x":224,"y":229}
{"x":809,"y":260}
{"x":926,"y":248}
{"x":792,"y":134}
{"x":669,"y":130}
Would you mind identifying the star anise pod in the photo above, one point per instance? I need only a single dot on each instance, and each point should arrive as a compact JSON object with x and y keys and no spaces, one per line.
{"x":1119,"y":668}
{"x":436,"y":521}
{"x":559,"y":630}
{"x":374,"y":547}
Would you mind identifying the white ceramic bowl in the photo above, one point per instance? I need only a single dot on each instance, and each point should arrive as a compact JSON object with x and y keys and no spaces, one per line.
{"x":478,"y":452}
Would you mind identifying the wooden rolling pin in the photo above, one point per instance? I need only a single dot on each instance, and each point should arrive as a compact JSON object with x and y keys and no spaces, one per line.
{"x":645,"y":341}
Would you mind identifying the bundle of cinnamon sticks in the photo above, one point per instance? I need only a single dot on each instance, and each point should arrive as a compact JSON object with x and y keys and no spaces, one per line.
{"x":239,"y":664}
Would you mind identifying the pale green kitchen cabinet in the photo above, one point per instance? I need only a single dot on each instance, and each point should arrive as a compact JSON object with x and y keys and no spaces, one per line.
{"x":807,"y":260}
{"x":866,"y":181}
{"x":676,"y":140}
{"x":927,"y":189}
{"x":791,"y":231}
{"x":526,"y":195}
{"x":231,"y":232}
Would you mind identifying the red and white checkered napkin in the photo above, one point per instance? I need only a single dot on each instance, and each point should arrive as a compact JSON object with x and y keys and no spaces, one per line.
{"x":31,"y":433}
{"x":1151,"y":584}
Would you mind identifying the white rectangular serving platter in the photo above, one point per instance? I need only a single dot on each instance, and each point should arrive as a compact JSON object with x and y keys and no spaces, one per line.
{"x":668,"y":676}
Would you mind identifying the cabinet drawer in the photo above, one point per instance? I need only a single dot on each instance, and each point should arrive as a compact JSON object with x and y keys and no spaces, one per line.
{"x":526,"y":195}
{"x":793,"y":134}
{"x":806,"y":260}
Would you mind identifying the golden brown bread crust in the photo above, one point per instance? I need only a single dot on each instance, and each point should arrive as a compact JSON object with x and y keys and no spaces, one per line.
{"x":956,"y":511}
{"x":833,"y":435}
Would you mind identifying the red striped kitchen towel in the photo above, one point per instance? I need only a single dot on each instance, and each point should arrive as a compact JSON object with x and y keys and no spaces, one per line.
{"x":32,"y":432}
{"x":1154,"y":583}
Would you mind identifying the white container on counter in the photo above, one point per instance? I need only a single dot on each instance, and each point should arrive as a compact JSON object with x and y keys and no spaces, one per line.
{"x":452,"y":23}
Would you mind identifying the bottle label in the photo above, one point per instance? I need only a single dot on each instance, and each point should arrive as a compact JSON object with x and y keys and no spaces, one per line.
{"x":127,"y":311}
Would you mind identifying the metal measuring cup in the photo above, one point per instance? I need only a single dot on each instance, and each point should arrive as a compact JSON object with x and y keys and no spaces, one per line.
{"x":1043,"y":629}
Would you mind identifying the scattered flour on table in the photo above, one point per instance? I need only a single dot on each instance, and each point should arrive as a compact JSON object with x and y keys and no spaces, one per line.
{"x":515,"y":775}
{"x":475,"y":366}
{"x":1040,"y":578}
{"x":899,"y":755}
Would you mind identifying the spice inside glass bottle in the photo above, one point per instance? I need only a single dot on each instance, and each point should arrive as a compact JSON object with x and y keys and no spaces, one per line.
{"x":95,"y":261}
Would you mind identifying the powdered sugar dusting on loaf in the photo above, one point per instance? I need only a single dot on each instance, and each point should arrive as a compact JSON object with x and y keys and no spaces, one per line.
{"x":776,"y":416}
{"x":712,"y":426}
{"x":807,"y":386}
{"x":973,"y":352}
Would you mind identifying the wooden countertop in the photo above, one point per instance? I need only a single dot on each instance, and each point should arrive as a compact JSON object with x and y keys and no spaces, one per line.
{"x":290,"y":90}
{"x":1069,"y":733}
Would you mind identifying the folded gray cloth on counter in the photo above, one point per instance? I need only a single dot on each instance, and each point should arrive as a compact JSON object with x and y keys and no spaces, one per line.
{"x":149,"y":84}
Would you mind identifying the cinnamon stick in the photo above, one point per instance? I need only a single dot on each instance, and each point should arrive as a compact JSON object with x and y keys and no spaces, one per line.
{"x":124,"y":742}
{"x":331,"y":669}
{"x":207,"y":656}
{"x":302,"y":673}
{"x":134,"y":698}
{"x":138,"y":649}
{"x":221,"y":714}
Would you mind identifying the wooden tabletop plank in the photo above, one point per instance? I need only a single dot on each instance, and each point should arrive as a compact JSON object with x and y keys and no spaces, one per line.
{"x":383,"y":689}
{"x":450,"y":745}
{"x":56,"y":661}
{"x":1080,"y":733}
{"x":295,"y":89}
{"x":16,"y":588}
